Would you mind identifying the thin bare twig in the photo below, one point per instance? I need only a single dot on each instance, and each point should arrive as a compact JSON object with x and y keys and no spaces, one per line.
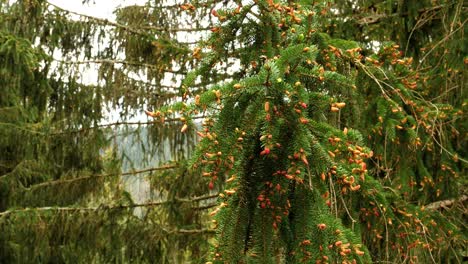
{"x":462,"y":26}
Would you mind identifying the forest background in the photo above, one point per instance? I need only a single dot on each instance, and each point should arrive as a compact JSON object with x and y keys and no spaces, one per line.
{"x":277,"y":132}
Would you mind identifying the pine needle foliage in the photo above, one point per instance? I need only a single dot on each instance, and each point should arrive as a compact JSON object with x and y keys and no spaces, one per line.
{"x":332,"y":132}
{"x":300,"y":182}
{"x":62,"y":172}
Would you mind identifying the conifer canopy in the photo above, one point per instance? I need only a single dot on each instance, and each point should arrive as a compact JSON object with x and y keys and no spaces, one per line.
{"x":277,"y":132}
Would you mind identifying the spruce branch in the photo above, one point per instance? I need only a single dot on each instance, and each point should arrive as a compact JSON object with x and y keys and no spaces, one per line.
{"x":165,"y":86}
{"x":62,"y":181}
{"x":445,"y":203}
{"x":198,"y":198}
{"x":122,"y":62}
{"x":176,"y":5}
{"x":123,"y":124}
{"x":23,"y":128}
{"x":194,"y":231}
{"x":378,"y":17}
{"x":140,"y":31}
{"x":219,"y":76}
{"x":205,"y":207}
{"x":103,"y":207}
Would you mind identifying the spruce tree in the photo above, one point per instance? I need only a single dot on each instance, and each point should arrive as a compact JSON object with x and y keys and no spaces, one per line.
{"x":62,"y":198}
{"x":432,"y":34}
{"x":286,"y":145}
{"x":319,"y":146}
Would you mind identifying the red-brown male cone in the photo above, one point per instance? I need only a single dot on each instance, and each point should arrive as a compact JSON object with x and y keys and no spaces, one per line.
{"x":266,"y":151}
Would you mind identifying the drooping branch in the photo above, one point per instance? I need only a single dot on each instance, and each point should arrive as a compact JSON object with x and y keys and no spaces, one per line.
{"x":445,"y":203}
{"x":115,"y":207}
{"x":123,"y":124}
{"x":140,"y":31}
{"x":122,"y":62}
{"x":378,"y":17}
{"x":194,"y":231}
{"x":169,"y":87}
{"x":198,"y":198}
{"x":178,"y":5}
{"x":62,"y":181}
{"x":165,"y":167}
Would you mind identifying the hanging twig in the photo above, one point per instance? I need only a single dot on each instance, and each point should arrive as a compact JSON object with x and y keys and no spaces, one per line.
{"x":462,"y":26}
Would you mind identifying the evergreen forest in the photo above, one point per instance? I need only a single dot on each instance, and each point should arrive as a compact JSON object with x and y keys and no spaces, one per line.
{"x":244,"y":131}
